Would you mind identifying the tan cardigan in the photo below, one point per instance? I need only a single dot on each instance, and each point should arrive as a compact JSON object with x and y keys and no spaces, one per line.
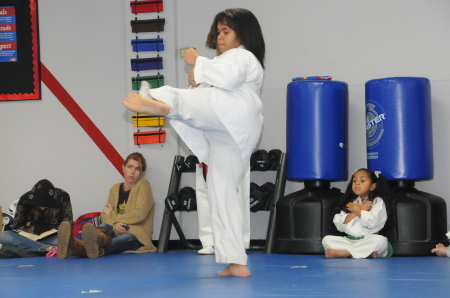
{"x":139,"y":213}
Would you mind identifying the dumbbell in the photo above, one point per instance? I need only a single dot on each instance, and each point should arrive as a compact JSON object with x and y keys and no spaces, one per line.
{"x":268,"y":189}
{"x":172,"y":202}
{"x":187,"y":199}
{"x":257,"y":198}
{"x":187,"y":165}
{"x":179,"y":166}
{"x":253,"y":186}
{"x":190,"y":163}
{"x":274,"y":157}
{"x":259,"y":161}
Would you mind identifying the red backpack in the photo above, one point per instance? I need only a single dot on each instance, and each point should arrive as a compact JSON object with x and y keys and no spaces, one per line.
{"x":93,"y":218}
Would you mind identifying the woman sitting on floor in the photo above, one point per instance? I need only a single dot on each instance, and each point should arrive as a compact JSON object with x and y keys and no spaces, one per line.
{"x":127,"y":219}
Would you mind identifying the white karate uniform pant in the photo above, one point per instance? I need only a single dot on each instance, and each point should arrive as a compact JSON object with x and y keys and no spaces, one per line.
{"x":227,"y":171}
{"x":205,"y":233}
{"x":359,"y":249}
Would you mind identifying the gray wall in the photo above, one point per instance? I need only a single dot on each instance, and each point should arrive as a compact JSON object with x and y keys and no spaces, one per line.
{"x":86,"y":45}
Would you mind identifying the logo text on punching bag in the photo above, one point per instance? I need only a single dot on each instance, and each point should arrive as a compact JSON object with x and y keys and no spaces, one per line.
{"x":374,"y":121}
{"x":375,"y":116}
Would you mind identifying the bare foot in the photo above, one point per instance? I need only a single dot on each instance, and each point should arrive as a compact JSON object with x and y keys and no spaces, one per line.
{"x":334,"y":253}
{"x":142,"y":104}
{"x":440,"y":250}
{"x":374,"y":255}
{"x":235,"y":270}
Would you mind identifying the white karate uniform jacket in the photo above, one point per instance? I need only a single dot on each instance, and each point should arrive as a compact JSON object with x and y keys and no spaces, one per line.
{"x":370,"y":222}
{"x":236,"y":77}
{"x":366,"y":226}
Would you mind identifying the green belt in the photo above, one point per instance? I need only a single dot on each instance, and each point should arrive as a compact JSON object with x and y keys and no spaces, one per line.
{"x":390,"y":248}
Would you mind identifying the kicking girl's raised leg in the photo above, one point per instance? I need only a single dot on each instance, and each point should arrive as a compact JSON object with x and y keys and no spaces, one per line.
{"x":143,"y":104}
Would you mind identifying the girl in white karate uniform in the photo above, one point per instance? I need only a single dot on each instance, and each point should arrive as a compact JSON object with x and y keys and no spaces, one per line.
{"x":221,"y":124}
{"x":362,"y":214}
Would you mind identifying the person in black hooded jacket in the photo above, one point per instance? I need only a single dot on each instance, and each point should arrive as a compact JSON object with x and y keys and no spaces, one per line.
{"x":42,"y":208}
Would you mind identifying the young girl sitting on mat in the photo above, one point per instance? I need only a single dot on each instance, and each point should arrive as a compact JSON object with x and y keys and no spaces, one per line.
{"x":221,"y":124}
{"x":361,"y":215}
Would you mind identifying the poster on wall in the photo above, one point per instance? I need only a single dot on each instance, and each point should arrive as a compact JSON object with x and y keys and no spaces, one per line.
{"x":19,"y":51}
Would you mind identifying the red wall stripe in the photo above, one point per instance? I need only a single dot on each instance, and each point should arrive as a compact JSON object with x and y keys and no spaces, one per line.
{"x":80,"y":116}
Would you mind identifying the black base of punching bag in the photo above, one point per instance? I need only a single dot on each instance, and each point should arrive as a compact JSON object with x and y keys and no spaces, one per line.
{"x":305,"y":217}
{"x":420,"y":220}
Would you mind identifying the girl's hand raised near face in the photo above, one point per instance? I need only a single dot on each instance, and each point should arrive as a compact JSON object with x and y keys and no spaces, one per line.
{"x":191,"y":56}
{"x":191,"y":79}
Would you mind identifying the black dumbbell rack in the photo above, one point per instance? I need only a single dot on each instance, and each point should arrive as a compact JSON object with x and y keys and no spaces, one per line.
{"x":169,"y":218}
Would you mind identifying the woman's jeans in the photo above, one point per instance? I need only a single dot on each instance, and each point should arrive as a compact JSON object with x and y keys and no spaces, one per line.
{"x":120,"y":243}
{"x":11,"y":238}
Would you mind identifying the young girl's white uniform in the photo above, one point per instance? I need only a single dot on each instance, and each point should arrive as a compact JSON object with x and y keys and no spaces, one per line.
{"x":365,"y":227}
{"x":222,"y":125}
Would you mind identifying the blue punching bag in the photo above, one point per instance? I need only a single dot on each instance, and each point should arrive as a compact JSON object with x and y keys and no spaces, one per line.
{"x":317,"y":117}
{"x":398,"y":127}
{"x":400,"y":145}
{"x":317,"y":122}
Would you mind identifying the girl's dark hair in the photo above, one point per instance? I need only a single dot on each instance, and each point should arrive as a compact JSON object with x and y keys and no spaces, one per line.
{"x":247,"y":29}
{"x":381,"y":190}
